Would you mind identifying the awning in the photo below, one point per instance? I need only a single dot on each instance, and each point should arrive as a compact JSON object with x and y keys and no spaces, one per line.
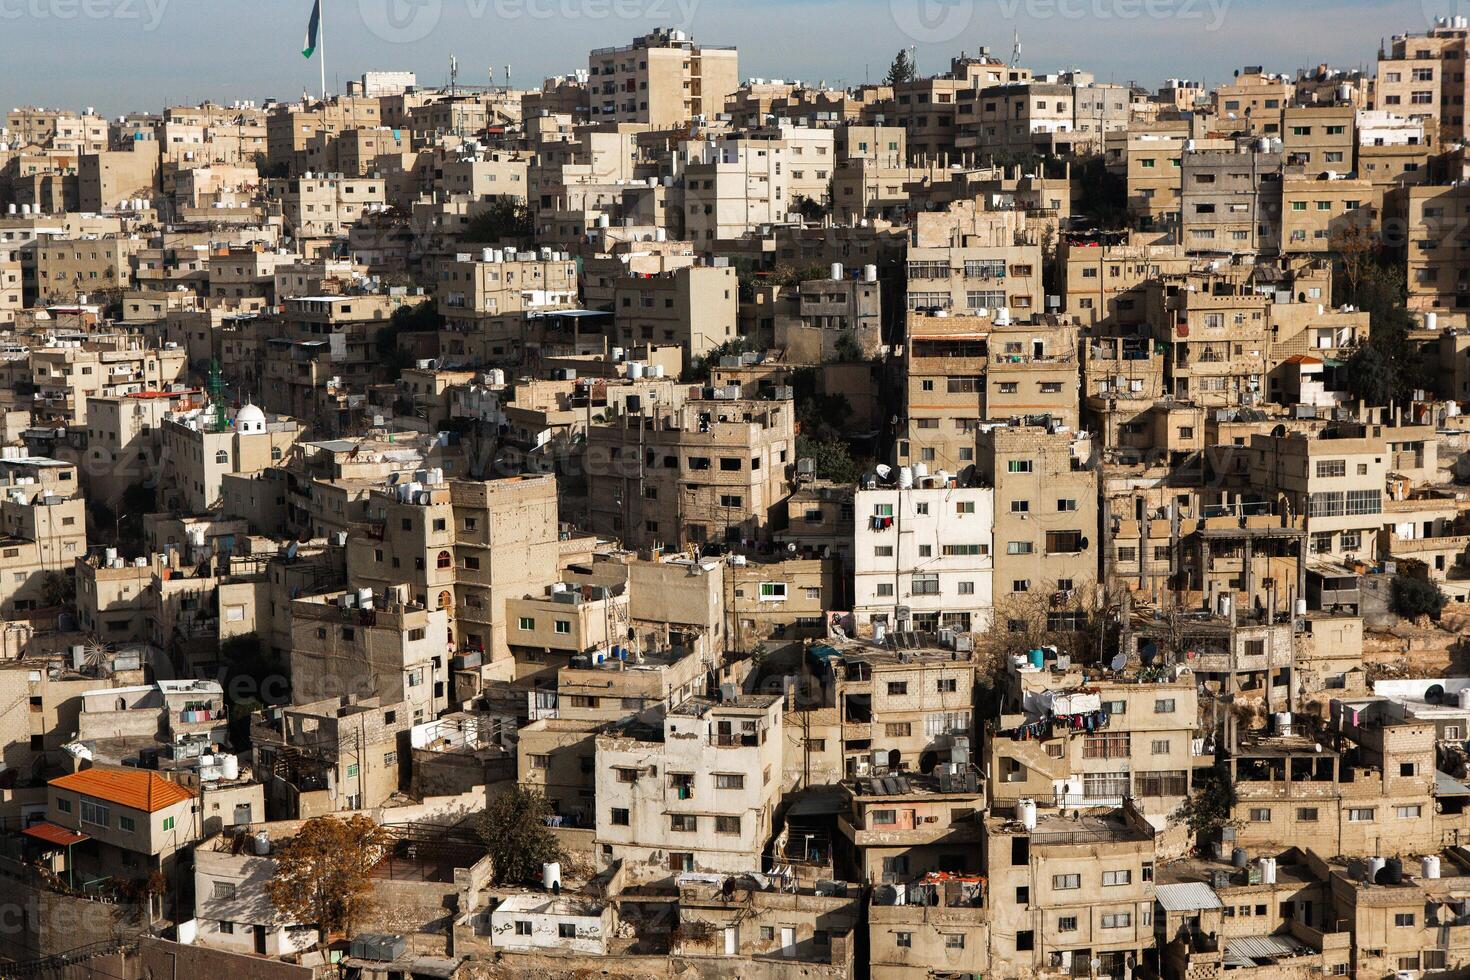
{"x":1447,"y":785}
{"x":54,"y":835}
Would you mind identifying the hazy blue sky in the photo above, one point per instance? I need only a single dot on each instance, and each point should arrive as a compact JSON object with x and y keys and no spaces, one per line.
{"x":121,"y":55}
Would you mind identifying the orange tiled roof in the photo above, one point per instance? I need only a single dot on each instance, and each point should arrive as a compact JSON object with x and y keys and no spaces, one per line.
{"x":137,"y":789}
{"x":52,"y":834}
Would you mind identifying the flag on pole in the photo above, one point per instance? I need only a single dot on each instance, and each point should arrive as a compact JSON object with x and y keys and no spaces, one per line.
{"x":313,"y":28}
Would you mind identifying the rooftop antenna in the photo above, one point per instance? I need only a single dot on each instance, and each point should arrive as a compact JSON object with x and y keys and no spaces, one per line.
{"x":1016,"y":49}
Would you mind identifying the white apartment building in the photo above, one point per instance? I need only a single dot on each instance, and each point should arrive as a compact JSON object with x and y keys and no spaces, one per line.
{"x":922,"y":556}
{"x":695,"y":793}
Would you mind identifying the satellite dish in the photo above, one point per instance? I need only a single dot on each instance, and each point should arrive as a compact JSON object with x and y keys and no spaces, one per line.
{"x":1119,"y":662}
{"x":883,"y":470}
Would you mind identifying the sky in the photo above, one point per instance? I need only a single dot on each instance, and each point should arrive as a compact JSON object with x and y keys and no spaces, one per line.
{"x":140,"y":55}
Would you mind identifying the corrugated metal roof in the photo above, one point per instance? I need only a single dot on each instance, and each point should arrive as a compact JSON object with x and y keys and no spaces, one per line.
{"x":1187,"y":896}
{"x":1447,"y":785}
{"x":1249,"y":948}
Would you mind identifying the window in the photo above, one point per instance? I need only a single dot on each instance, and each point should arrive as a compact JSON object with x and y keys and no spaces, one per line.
{"x":563,"y":625}
{"x":684,"y":823}
{"x":897,"y":729}
{"x":126,"y":824}
{"x":1331,"y":467}
{"x":1306,"y":814}
{"x":1018,"y":466}
{"x":223,"y":889}
{"x":95,"y":813}
{"x":619,"y":817}
{"x":964,"y":507}
{"x":773,"y":591}
{"x":227,"y":928}
{"x":566,"y":930}
{"x":63,"y":805}
{"x":1066,"y":882}
{"x":727,"y":824}
{"x":1260,"y":814}
{"x":1164,"y":706}
{"x":1159,"y":746}
{"x":954,"y":940}
{"x":1408,"y":812}
{"x":946,"y":685}
{"x":1403,"y":918}
{"x":1111,"y":879}
{"x":539,"y":761}
{"x":729,"y":780}
{"x":168,"y":823}
{"x":898,"y":688}
{"x":1363,"y":814}
{"x":1117,"y":920}
{"x":527,"y":623}
{"x":903,"y":940}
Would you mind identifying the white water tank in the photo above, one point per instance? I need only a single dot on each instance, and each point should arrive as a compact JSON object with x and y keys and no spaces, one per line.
{"x":1283,"y":723}
{"x":1431,"y":321}
{"x":1375,"y":865}
{"x":262,"y":843}
{"x":635,"y":370}
{"x":365,"y":597}
{"x":1301,"y":607}
{"x":550,"y":875}
{"x":1465,"y":697}
{"x":1429,"y":866}
{"x":229,"y":766}
{"x":921,"y":472}
{"x":1268,"y":871}
{"x":1026,"y":813}
{"x":870,"y":273}
{"x":905,"y":477}
{"x":658,"y":370}
{"x":836,"y":270}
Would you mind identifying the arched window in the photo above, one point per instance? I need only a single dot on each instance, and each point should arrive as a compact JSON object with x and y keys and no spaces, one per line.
{"x":445,"y":561}
{"x":122,"y":704}
{"x":222,"y":457}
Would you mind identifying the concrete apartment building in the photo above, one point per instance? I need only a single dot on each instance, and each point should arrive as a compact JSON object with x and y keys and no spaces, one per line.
{"x":1423,"y":76}
{"x":43,"y":529}
{"x":1339,"y":478}
{"x":1045,"y":509}
{"x":1317,"y":211}
{"x":106,"y":180}
{"x":325,"y":206}
{"x":970,"y":259}
{"x":1074,"y":892}
{"x":714,"y":470}
{"x":922,"y":556}
{"x":490,"y":293}
{"x":1147,"y":753}
{"x":238,"y":272}
{"x":1320,"y":138}
{"x":735,"y":185}
{"x":694,"y":793}
{"x":67,"y":269}
{"x":198,"y":451}
{"x":462,"y":546}
{"x":1149,"y":158}
{"x":965,"y":370}
{"x":137,"y":820}
{"x":1254,"y":102}
{"x":1105,"y":276}
{"x":329,"y":756}
{"x":695,"y":307}
{"x":391,"y":650}
{"x":1429,"y":215}
{"x":1218,"y":335}
{"x":662,"y":78}
{"x":1230,"y":200}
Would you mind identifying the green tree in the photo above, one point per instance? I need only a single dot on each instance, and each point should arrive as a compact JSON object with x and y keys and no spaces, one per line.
{"x":833,"y":459}
{"x":253,"y":676}
{"x":324,"y":874}
{"x":902,"y":70}
{"x":809,"y":209}
{"x":515,"y":833}
{"x":58,"y":589}
{"x":505,"y":220}
{"x":1411,"y":597}
{"x":1208,"y":810}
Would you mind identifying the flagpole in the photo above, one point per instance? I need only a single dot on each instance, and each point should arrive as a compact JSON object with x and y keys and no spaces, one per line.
{"x":321,"y":39}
